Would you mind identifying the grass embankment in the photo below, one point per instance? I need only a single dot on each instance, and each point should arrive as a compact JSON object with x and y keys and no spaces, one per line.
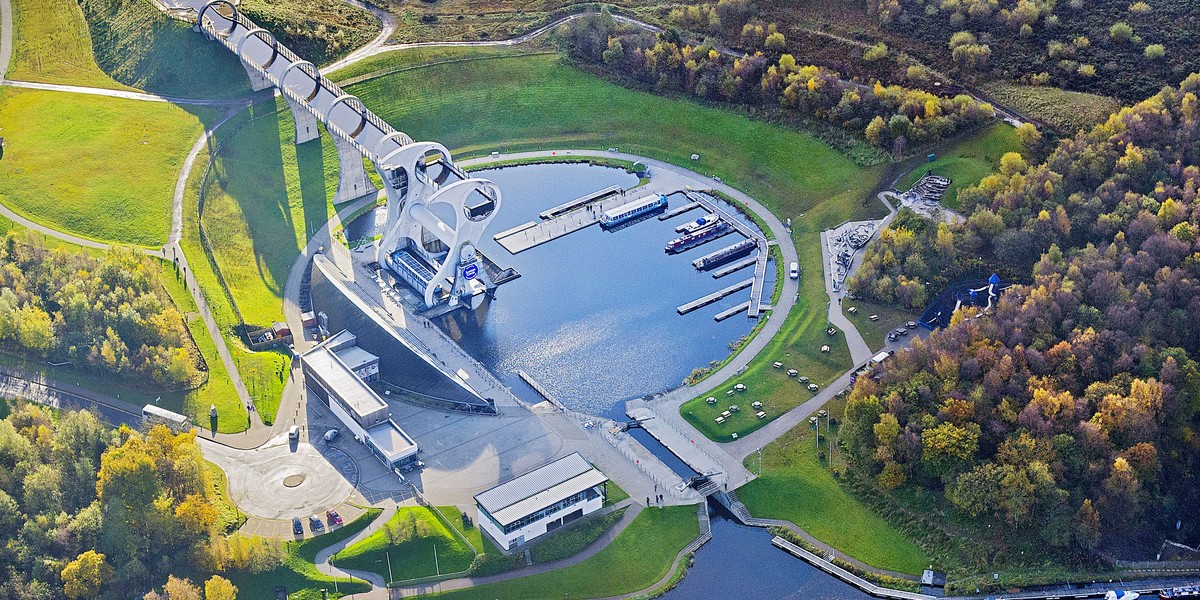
{"x":967,"y":161}
{"x":218,"y":390}
{"x":299,"y":572}
{"x":96,"y":167}
{"x":796,"y":485}
{"x":1064,"y":110}
{"x":635,"y":560}
{"x":535,"y":102}
{"x":264,"y":373}
{"x":409,"y":541}
{"x":266,"y":197}
{"x":119,"y":44}
{"x":874,"y":333}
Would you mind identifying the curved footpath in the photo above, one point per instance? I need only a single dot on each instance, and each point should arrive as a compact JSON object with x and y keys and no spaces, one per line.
{"x":6,"y":36}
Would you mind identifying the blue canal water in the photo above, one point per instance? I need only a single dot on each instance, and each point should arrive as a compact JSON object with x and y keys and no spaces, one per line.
{"x":740,"y":562}
{"x":592,"y":317}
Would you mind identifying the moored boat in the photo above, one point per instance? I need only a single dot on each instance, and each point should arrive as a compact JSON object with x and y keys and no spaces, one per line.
{"x":632,"y":210}
{"x":1183,"y":592}
{"x":698,"y":224}
{"x":688,"y":240}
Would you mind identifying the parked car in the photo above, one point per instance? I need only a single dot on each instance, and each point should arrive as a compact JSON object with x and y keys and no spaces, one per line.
{"x":893,"y":336}
{"x":332,"y":434}
{"x":911,"y":324}
{"x":314,"y":522}
{"x":297,"y":526}
{"x":294,"y":432}
{"x":333,"y":517}
{"x":794,"y":270}
{"x":902,"y":331}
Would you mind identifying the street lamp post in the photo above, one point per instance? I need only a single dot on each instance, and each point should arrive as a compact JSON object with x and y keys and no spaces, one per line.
{"x":760,"y":462}
{"x":388,"y":554}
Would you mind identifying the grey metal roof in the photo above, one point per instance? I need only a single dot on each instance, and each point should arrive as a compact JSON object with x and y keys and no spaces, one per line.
{"x":338,"y":376}
{"x":571,"y":471}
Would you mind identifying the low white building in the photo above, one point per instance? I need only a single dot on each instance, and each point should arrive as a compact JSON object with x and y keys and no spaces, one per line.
{"x":541,"y":500}
{"x":336,"y":371}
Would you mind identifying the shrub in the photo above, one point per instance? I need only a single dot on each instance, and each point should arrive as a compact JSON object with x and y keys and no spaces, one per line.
{"x":1155,"y":51}
{"x":1121,"y":31}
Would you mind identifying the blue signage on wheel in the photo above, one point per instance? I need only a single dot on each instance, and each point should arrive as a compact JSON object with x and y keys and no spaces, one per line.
{"x":470,"y":272}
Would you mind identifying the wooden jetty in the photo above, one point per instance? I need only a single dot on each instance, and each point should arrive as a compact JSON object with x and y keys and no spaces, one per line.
{"x":713,"y":297}
{"x":729,"y":312}
{"x":737,"y":266}
{"x":580,"y":201}
{"x":675,"y":212}
{"x":760,"y":277}
{"x":741,"y":247}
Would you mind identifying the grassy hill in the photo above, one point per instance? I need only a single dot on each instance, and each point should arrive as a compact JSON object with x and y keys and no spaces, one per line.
{"x":119,"y":44}
{"x":97,"y":167}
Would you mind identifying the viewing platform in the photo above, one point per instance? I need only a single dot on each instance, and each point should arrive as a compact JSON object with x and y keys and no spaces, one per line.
{"x":580,"y":201}
{"x":524,"y":237}
{"x":713,"y":297}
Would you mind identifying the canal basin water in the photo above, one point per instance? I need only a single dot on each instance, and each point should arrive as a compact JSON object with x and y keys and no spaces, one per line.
{"x":592,"y":317}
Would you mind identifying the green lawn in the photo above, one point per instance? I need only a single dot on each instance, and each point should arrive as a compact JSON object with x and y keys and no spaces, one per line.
{"x":796,"y":486}
{"x":967,"y":161}
{"x":299,"y":573}
{"x":424,"y":535}
{"x":635,"y":560}
{"x":101,"y":168}
{"x":119,"y":44}
{"x":875,"y":332}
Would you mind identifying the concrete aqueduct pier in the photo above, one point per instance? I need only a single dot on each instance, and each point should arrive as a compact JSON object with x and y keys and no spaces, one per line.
{"x":434,"y":252}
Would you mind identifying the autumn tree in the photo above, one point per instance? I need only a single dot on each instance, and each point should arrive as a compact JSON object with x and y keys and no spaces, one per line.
{"x":84,"y":576}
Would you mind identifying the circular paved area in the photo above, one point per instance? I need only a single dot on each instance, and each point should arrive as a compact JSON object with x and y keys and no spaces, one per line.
{"x":278,"y":483}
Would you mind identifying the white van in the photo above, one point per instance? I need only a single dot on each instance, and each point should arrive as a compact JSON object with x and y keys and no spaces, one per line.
{"x":795,"y":271}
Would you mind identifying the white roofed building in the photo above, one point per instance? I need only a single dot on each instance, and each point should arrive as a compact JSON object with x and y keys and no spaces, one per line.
{"x":336,"y":371}
{"x":541,"y":500}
